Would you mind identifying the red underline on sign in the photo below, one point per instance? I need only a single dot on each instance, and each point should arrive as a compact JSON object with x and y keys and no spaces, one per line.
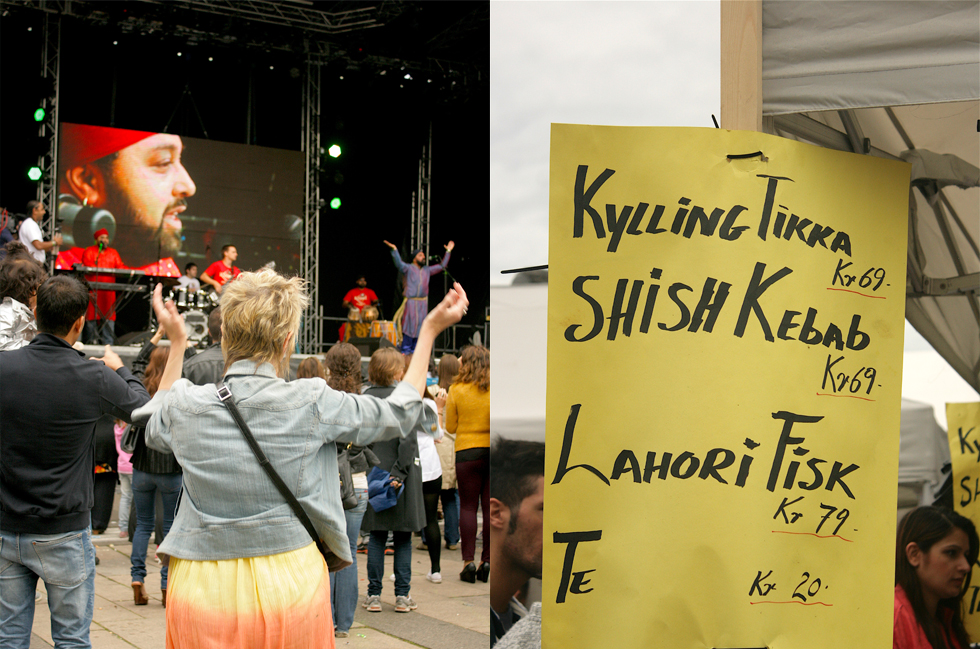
{"x":843,"y":396}
{"x":875,"y":297}
{"x":828,"y":536}
{"x":795,"y":602}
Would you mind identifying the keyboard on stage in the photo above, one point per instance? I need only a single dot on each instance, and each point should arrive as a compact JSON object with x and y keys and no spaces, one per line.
{"x":122,"y":272}
{"x":123,"y":288}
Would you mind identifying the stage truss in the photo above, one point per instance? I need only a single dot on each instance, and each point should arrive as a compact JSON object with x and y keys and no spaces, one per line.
{"x":311,"y":333}
{"x":315,"y":24}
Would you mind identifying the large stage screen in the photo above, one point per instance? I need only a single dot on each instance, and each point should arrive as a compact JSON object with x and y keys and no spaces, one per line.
{"x":168,"y":200}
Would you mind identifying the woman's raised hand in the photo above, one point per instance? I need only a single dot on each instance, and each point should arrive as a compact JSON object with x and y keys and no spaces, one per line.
{"x":450,"y":311}
{"x":170,"y":320}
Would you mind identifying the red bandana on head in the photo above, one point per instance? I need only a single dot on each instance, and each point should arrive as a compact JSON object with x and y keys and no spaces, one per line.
{"x":81,"y":144}
{"x":99,"y":233}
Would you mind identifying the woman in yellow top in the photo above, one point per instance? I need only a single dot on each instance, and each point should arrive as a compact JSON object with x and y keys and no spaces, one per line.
{"x":468,"y":417}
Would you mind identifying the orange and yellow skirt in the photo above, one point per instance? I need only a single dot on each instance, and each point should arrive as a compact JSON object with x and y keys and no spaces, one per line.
{"x":279,"y":601}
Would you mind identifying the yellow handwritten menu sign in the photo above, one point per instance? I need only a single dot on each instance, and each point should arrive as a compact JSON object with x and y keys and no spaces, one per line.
{"x":963,"y":429}
{"x":725,"y":330}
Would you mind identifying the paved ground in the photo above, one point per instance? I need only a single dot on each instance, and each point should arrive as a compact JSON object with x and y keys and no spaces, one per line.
{"x":451,"y":615}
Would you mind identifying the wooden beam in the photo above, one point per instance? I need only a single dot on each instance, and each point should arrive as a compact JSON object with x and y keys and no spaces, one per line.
{"x":741,"y":65}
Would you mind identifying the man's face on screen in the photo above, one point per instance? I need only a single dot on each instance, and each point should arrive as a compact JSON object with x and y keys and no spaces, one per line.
{"x":146,"y":192}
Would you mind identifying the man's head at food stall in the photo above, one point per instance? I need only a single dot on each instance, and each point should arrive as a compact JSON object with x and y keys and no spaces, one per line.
{"x":516,"y":517}
{"x":137,"y":176}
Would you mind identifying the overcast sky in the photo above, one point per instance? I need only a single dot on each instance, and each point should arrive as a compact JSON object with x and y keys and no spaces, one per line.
{"x":613,"y":63}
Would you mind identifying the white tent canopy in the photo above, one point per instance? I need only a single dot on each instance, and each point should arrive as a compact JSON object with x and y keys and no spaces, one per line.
{"x":898,"y":80}
{"x":520,"y":334}
{"x":820,"y":56}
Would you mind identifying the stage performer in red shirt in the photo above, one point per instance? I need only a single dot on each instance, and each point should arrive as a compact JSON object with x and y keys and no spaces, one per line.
{"x":221,"y":272}
{"x":358,"y":298}
{"x":100,"y":321}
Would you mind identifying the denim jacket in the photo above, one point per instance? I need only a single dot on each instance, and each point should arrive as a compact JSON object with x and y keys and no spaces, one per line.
{"x":229,"y":508}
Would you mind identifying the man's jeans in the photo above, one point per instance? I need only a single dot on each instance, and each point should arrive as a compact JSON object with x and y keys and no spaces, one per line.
{"x":343,"y":584}
{"x":66,"y":564}
{"x":403,"y":562}
{"x":93,"y":335}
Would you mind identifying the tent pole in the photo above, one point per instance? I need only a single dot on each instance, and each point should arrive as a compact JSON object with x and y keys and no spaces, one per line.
{"x":741,"y":65}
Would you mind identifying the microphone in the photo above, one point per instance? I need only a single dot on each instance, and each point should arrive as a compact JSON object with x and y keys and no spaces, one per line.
{"x":79,"y":223}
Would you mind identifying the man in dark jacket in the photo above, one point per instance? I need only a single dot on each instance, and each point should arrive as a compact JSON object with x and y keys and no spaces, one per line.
{"x":51,"y":398}
{"x":209,"y":365}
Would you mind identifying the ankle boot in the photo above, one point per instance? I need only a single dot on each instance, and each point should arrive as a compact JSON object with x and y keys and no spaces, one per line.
{"x":140,"y":598}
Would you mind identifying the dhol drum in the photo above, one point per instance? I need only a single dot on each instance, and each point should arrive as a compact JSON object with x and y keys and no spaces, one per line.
{"x":384,"y":329}
{"x":356,"y":326}
{"x":370,"y":314}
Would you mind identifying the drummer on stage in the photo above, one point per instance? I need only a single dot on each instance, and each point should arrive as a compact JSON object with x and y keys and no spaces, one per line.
{"x":101,"y":316}
{"x":188,"y":281}
{"x":358,"y":299}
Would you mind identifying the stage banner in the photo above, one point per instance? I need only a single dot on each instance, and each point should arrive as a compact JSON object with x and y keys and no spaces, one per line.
{"x":725,"y":332}
{"x":963,"y":429}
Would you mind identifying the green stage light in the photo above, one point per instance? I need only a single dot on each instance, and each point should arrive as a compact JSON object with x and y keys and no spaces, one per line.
{"x":39,"y":115}
{"x":34,"y":173}
{"x":334,"y":151}
{"x":335,"y":203}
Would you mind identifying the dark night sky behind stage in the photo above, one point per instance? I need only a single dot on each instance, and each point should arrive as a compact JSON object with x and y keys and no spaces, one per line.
{"x":140,"y":83}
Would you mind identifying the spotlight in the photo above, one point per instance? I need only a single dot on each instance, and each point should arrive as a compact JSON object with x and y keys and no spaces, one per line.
{"x":179,"y":54}
{"x":115,"y":42}
{"x":334,"y":151}
{"x":210,"y":58}
{"x":335,"y":203}
{"x":272,"y":67}
{"x":408,"y":77}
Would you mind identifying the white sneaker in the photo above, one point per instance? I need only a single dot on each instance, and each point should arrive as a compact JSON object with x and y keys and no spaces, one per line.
{"x":373,"y":603}
{"x":434,"y":577}
{"x":392,"y":577}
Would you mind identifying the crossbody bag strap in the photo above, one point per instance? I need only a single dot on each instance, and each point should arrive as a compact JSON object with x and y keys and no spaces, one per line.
{"x":226,"y":398}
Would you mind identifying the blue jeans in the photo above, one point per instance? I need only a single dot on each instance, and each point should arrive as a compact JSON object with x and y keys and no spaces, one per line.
{"x":403,"y":562}
{"x":66,"y":564}
{"x":91,"y":329}
{"x":145,"y":486}
{"x":343,"y":584}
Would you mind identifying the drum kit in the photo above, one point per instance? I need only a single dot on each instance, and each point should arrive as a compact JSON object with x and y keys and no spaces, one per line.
{"x":365,"y":324}
{"x":195,"y":306}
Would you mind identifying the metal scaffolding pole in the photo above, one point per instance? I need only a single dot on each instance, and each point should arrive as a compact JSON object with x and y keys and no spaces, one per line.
{"x":47,"y":187}
{"x":421,"y":200}
{"x":310,"y":341}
